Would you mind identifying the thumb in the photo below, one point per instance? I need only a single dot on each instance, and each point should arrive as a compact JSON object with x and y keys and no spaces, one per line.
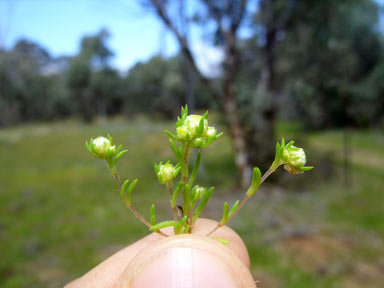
{"x":186,"y":261}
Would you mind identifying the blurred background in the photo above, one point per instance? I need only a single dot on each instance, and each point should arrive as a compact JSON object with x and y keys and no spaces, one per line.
{"x":312,"y":71}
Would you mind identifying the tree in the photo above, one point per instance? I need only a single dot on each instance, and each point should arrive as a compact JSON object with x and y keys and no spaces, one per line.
{"x":331,"y":64}
{"x":227,"y":17}
{"x":24,"y":86}
{"x":156,"y":86}
{"x":93,"y":57}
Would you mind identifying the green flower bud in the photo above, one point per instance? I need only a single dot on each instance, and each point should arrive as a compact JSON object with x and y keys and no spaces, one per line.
{"x":199,"y":142}
{"x":182,"y":132}
{"x":211,"y":131}
{"x":208,"y":137}
{"x":100,"y":146}
{"x":166,"y":172}
{"x":294,"y":159}
{"x":188,"y":130}
{"x":199,"y":192}
{"x":294,"y":156}
{"x":192,"y":123}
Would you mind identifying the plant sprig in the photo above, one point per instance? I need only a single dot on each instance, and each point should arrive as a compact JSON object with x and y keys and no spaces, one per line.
{"x":192,"y":132}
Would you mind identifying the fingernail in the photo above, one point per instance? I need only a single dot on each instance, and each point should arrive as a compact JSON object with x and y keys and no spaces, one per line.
{"x":185,"y":267}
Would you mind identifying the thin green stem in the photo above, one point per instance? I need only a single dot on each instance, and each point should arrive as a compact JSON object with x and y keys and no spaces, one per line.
{"x":130,"y":206}
{"x":242,"y":203}
{"x":266,"y":175}
{"x":186,"y":192}
{"x":191,"y":215}
{"x":117,"y":179}
{"x":174,"y":209}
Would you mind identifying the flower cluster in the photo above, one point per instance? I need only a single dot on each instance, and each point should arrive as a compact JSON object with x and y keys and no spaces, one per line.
{"x":194,"y":129}
{"x":192,"y":132}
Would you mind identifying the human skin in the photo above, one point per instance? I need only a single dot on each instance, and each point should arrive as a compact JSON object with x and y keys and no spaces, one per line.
{"x":182,"y":261}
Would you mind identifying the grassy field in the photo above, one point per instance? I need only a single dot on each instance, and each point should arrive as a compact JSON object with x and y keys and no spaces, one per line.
{"x":61,"y":214}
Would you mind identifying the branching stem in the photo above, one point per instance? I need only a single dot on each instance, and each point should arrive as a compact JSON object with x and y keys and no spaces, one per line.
{"x":130,"y":206}
{"x":242,"y":203}
{"x":186,"y":192}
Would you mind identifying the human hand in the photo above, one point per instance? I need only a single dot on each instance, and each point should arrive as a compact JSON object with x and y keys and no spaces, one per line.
{"x":182,"y":261}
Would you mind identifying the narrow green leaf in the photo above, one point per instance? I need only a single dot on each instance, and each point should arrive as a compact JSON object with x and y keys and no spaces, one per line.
{"x":120,"y":154}
{"x":209,"y":141}
{"x":186,"y":229}
{"x":153,"y":216}
{"x":195,"y":169}
{"x":234,"y":208}
{"x":179,"y":225}
{"x":224,"y":219}
{"x":176,"y":151}
{"x":289,"y":144}
{"x":162,"y":225}
{"x":110,"y":139}
{"x":221,"y":240}
{"x":205,"y":116}
{"x":276,"y":161}
{"x":111,"y":162}
{"x":181,"y":153}
{"x":255,"y":182}
{"x":91,"y":144}
{"x":203,"y":203}
{"x":88,"y":147}
{"x":218,"y":136}
{"x":124,"y":191}
{"x":170,"y":135}
{"x":184,"y":111}
{"x":177,"y":170}
{"x":306,"y":168}
{"x":200,"y":129}
{"x":117,"y":150}
{"x":176,"y":194}
{"x":129,"y":190}
{"x":193,"y":197}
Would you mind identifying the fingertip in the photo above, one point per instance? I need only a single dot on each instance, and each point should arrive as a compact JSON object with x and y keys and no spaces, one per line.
{"x":187,"y":261}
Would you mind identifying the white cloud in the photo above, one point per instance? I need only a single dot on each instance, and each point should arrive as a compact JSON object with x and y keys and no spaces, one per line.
{"x":208,"y":59}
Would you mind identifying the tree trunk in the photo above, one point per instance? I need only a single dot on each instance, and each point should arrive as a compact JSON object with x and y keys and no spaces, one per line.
{"x":238,"y":139}
{"x":261,"y":140}
{"x":229,"y":106}
{"x":188,"y":80}
{"x":225,"y":96}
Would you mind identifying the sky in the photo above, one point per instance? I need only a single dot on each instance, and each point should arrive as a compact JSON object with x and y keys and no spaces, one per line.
{"x":58,"y":26}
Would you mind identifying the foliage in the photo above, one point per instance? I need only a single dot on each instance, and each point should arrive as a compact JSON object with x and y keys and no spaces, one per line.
{"x":333,"y":49}
{"x":325,"y":61}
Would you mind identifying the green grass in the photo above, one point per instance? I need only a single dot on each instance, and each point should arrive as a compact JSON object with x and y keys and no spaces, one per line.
{"x":61,"y":214}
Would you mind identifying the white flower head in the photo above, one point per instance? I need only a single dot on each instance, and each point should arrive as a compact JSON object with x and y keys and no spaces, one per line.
{"x":182,"y":132}
{"x":294,"y":156}
{"x":100,"y":146}
{"x":166,"y":172}
{"x":211,"y":131}
{"x":199,"y":192}
{"x":190,"y":127}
